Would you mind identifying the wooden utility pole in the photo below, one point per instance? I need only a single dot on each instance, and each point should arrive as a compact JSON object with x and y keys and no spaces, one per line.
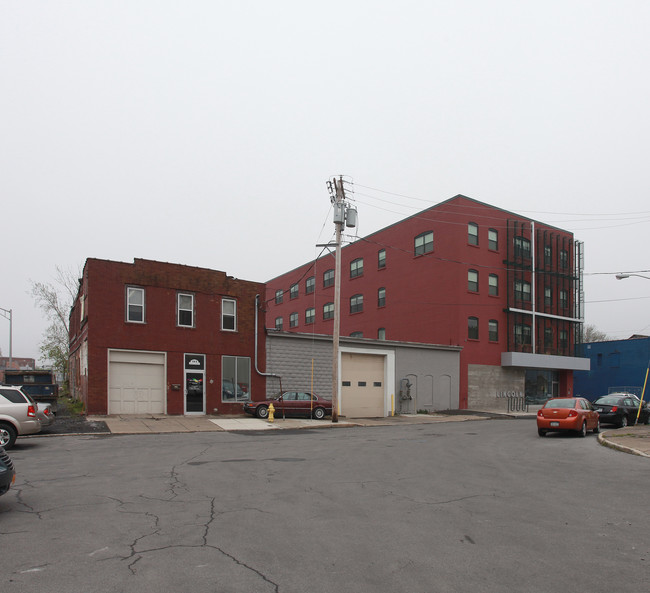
{"x":339,"y":221}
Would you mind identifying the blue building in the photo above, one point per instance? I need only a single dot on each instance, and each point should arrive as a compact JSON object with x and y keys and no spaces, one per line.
{"x":616,"y":365}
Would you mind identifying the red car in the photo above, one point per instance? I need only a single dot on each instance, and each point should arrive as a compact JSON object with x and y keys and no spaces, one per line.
{"x":567,"y":413}
{"x":292,"y":403}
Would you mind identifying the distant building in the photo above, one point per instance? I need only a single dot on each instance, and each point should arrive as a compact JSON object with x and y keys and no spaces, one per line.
{"x":158,"y":338}
{"x":17,"y":364}
{"x":616,"y":365}
{"x":503,"y":287}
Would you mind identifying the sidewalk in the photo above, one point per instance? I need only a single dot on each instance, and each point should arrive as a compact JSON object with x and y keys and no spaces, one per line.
{"x":634,"y":440}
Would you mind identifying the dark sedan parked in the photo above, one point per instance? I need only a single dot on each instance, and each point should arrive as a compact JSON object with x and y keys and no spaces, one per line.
{"x":7,"y":472}
{"x":292,"y":403}
{"x":621,"y":409}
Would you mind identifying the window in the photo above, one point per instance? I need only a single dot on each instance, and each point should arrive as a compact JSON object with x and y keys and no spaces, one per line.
{"x":185,"y":310}
{"x":472,"y":328}
{"x":493,"y":330}
{"x":564,"y":339}
{"x":381,"y":258}
{"x":522,"y":247}
{"x":424,"y":243}
{"x":472,"y":233}
{"x":293,"y":291}
{"x":564,"y":259}
{"x":564,"y":299}
{"x":236,"y":378}
{"x":493,"y":240}
{"x":381,"y":333}
{"x":293,"y":320}
{"x":356,"y":303}
{"x":310,"y":315}
{"x":522,"y":334}
{"x":472,"y":280}
{"x":356,"y":335}
{"x":548,"y":296}
{"x":548,"y":337}
{"x":548,"y":255}
{"x":522,"y":290}
{"x":356,"y":267}
{"x":328,"y":278}
{"x":279,"y":295}
{"x":381,"y":297}
{"x":493,"y":282}
{"x":229,"y":315}
{"x":328,"y":311}
{"x":310,"y":285}
{"x":134,"y":304}
{"x":279,"y":325}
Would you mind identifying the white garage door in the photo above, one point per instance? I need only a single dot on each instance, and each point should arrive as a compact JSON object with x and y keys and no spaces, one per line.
{"x":136,"y":382}
{"x":363,"y":392}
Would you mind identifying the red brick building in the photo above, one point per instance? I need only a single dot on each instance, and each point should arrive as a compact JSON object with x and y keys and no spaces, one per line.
{"x":153,"y":337}
{"x":505,"y":288}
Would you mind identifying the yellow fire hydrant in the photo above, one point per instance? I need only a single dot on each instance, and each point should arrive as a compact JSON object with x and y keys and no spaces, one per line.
{"x":271,"y":412}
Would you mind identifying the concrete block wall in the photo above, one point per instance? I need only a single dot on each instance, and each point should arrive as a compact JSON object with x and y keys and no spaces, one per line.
{"x":485,"y":382}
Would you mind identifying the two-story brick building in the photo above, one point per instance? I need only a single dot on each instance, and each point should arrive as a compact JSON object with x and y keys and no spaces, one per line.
{"x":154,"y":337}
{"x":505,"y":288}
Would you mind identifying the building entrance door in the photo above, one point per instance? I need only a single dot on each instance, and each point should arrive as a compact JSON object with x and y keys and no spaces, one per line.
{"x":194,"y":384}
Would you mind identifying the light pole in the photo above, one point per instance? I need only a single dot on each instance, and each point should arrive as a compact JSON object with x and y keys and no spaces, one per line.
{"x":7,"y":314}
{"x":622,"y":276}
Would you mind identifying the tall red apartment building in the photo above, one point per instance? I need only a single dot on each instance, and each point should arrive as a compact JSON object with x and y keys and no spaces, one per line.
{"x":154,"y":337}
{"x":505,"y":288}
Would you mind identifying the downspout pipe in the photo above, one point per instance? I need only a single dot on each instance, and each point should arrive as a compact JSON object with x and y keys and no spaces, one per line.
{"x":257,"y":370}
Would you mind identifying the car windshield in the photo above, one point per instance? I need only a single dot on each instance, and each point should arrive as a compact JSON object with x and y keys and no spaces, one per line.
{"x":608,"y":400}
{"x":565,"y":402}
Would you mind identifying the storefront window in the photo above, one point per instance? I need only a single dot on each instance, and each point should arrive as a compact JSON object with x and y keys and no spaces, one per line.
{"x":541,"y":385}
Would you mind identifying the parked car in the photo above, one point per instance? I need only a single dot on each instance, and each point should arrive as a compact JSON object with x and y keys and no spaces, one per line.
{"x":621,"y":409}
{"x":18,"y":415}
{"x":45,"y":414}
{"x":292,"y":403}
{"x":7,"y":472}
{"x":567,"y":413}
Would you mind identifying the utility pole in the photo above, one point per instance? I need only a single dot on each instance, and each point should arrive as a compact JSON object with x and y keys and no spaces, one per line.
{"x":7,"y":314}
{"x":348,"y":216}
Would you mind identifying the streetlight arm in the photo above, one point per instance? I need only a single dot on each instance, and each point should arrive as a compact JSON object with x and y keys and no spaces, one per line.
{"x":622,"y":276}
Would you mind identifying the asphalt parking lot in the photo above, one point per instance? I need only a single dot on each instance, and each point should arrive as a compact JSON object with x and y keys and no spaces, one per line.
{"x":453,"y":506}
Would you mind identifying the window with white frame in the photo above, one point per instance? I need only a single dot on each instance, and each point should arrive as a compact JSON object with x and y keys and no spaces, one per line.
{"x":472,"y":328}
{"x":356,"y":267}
{"x":356,"y":303}
{"x":310,"y":315}
{"x":564,"y":299}
{"x":522,"y":290}
{"x":310,"y":285}
{"x":522,"y":334}
{"x":493,"y":330}
{"x":381,"y":258}
{"x":229,"y":314}
{"x":135,"y":304}
{"x":472,"y":233}
{"x":548,"y":296}
{"x":423,"y":243}
{"x":236,"y":378}
{"x":493,"y":285}
{"x":472,"y":280}
{"x":279,"y":296}
{"x":293,"y":291}
{"x":293,"y":319}
{"x":185,"y":305}
{"x":493,"y":239}
{"x":381,"y":297}
{"x":328,"y":278}
{"x":522,"y":247}
{"x":381,"y":333}
{"x":279,"y":324}
{"x":328,"y":311}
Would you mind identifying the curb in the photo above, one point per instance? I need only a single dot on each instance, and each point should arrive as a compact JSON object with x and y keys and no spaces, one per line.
{"x":607,"y":443}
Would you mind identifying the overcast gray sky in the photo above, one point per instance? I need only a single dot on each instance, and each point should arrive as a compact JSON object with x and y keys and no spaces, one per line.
{"x":203,"y":132}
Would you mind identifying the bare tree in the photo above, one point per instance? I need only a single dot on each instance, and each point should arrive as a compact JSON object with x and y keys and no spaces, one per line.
{"x":592,"y":334}
{"x":55,"y":299}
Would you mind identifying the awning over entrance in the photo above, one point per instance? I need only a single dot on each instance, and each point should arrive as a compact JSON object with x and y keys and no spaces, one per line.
{"x":544,"y":361}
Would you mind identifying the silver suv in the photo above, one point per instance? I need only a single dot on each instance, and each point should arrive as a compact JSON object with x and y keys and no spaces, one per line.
{"x":18,"y":415}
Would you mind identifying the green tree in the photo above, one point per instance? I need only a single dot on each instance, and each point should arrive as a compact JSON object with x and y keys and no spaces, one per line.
{"x":55,"y":299}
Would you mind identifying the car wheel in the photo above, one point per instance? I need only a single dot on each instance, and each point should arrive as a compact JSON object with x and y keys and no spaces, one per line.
{"x":319,"y":413}
{"x":622,"y":422}
{"x":8,"y":435}
{"x":541,"y":432}
{"x":583,"y":431}
{"x":597,"y":429}
{"x":262,"y":411}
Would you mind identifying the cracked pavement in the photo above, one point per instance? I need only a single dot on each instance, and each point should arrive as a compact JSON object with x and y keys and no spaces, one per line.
{"x":400,"y":508}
